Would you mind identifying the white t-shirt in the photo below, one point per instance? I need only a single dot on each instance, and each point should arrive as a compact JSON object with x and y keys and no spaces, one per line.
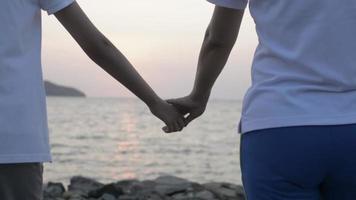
{"x":23,"y":121}
{"x":304,"y":68}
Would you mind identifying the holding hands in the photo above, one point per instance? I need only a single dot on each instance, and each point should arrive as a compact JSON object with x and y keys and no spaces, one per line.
{"x":178,"y":113}
{"x":219,"y":39}
{"x":189,"y":107}
{"x":169,"y":115}
{"x":173,"y":112}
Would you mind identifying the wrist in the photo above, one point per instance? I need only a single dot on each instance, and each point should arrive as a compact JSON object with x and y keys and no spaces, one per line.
{"x":201,"y":97}
{"x":154,"y":102}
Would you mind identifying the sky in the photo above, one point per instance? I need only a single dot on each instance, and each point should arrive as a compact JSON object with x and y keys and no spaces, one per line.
{"x":161,"y":38}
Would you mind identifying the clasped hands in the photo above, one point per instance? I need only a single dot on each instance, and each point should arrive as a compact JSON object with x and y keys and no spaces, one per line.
{"x":178,"y":113}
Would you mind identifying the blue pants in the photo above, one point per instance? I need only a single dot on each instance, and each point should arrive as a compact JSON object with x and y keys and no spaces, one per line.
{"x":300,"y":163}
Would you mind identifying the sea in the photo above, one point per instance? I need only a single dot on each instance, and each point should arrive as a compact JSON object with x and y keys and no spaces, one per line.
{"x":111,"y":139}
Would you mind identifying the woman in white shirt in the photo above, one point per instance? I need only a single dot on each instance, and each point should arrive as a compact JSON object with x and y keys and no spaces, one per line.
{"x":298,"y":120}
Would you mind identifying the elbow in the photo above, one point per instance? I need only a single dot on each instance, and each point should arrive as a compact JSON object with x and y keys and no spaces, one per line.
{"x":219,"y":41}
{"x":99,"y":50}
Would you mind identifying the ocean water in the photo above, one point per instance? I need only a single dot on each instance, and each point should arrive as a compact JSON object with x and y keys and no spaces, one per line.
{"x":112,"y":139}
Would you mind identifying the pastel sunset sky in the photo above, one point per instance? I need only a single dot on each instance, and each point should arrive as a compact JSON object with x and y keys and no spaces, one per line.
{"x":161,"y":38}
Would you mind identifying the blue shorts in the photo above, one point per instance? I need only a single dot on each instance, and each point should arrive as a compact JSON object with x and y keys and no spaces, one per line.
{"x":300,"y":163}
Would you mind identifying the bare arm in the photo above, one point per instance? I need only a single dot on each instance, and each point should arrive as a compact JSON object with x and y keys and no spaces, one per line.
{"x":109,"y":58}
{"x":103,"y":52}
{"x":219,"y":40}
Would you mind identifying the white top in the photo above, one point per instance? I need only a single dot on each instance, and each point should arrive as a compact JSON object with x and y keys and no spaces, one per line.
{"x":304,"y":68}
{"x":23,"y":122}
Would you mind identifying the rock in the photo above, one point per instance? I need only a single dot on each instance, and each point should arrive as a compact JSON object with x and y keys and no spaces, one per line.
{"x":170,"y":189}
{"x":53,"y":190}
{"x":127,"y":197}
{"x":162,"y":188}
{"x":72,"y":194}
{"x":81,"y":185}
{"x":110,"y":189}
{"x":170,"y":185}
{"x":225,"y":191}
{"x":151,"y":196}
{"x":107,"y":197}
{"x":53,"y":198}
{"x":195,"y":195}
{"x":170,"y":180}
{"x":129,"y":186}
{"x":205,"y":195}
{"x":77,"y":198}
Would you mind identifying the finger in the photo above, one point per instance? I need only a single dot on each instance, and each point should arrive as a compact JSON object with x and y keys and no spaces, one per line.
{"x":170,"y":128}
{"x":176,"y":127}
{"x":180,"y":126}
{"x":190,"y":118}
{"x":171,"y":101}
{"x":165,"y":129}
{"x":181,"y":123}
{"x":178,"y":104}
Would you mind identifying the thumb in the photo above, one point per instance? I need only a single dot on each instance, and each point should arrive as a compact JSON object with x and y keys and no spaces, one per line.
{"x":179,"y":105}
{"x":175,"y":102}
{"x":171,"y":101}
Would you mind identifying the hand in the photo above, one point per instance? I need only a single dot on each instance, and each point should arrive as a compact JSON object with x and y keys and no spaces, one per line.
{"x":169,"y":115}
{"x":189,"y":105}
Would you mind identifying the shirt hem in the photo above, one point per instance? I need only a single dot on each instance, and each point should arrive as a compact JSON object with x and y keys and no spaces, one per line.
{"x":246,"y":125}
{"x":229,"y":4}
{"x":25,"y":158}
{"x":59,"y":6}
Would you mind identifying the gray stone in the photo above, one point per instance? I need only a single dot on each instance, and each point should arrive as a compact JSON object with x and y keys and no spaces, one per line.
{"x":83,"y":185}
{"x":77,"y":198}
{"x":205,"y":195}
{"x":112,"y":189}
{"x":170,"y":185}
{"x":107,"y":197}
{"x":170,"y":180}
{"x":128,"y":185}
{"x":71,"y":194}
{"x":127,"y":197}
{"x":171,"y":189}
{"x":141,"y":196}
{"x":200,"y":195}
{"x":224,"y":191}
{"x":53,"y":198}
{"x":162,"y":188}
{"x":53,"y":190}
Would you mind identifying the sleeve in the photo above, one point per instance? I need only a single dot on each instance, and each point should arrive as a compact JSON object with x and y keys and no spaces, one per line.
{"x":53,"y":6}
{"x":234,"y":4}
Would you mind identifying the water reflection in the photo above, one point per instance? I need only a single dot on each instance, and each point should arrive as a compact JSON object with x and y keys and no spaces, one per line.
{"x":111,"y":139}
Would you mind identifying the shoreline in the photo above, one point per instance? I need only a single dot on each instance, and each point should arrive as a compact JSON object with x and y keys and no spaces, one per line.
{"x":162,"y":188}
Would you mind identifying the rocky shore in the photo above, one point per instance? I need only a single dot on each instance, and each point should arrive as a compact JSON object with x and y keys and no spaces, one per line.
{"x":162,"y":188}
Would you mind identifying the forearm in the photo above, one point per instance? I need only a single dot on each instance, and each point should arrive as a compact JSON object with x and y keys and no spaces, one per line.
{"x":110,"y":59}
{"x":212,"y":59}
{"x":219,"y":40}
{"x":104,"y":53}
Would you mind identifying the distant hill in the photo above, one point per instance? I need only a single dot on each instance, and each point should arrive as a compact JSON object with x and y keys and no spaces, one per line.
{"x":62,"y":91}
